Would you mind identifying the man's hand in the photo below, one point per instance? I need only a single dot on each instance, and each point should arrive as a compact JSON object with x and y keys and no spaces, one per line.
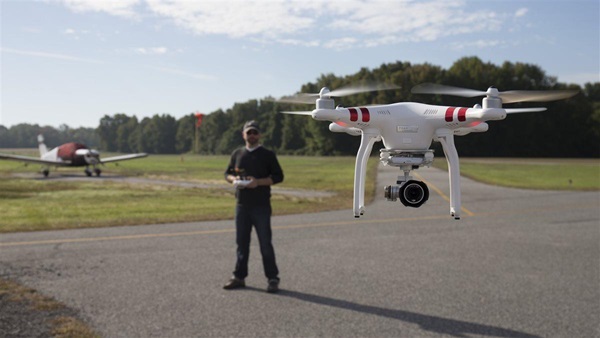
{"x":253,"y":182}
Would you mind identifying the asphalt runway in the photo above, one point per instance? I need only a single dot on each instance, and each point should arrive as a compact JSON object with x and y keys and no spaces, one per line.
{"x":519,"y":263}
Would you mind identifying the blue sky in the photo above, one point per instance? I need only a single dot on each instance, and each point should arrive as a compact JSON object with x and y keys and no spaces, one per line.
{"x":74,"y":61}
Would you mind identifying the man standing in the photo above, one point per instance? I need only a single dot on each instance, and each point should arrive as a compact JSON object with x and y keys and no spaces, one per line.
{"x":253,"y":169}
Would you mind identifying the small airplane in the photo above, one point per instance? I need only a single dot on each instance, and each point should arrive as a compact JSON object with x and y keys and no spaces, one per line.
{"x":70,"y":154}
{"x":407,"y":130}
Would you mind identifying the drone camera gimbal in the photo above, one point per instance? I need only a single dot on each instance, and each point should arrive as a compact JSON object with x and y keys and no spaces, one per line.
{"x":410,"y":192}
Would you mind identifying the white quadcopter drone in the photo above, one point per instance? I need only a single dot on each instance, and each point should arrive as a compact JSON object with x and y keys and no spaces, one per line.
{"x":408,"y":128}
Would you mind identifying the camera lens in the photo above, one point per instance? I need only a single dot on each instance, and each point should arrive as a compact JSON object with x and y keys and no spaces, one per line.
{"x":414,"y":193}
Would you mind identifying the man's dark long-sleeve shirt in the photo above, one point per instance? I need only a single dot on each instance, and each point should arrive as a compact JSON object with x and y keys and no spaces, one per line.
{"x":258,"y":163}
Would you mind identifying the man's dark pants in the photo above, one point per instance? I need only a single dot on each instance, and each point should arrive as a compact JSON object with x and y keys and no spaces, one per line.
{"x":260,"y":217}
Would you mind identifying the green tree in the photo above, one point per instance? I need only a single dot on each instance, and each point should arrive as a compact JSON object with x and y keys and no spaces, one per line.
{"x":592,"y":92}
{"x":212,"y":131}
{"x":125,"y":129}
{"x":186,"y":131}
{"x":108,"y":131}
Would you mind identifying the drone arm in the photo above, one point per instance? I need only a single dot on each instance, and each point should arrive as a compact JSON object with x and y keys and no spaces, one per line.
{"x":446,"y":138}
{"x":336,"y":128}
{"x":367,"y":140}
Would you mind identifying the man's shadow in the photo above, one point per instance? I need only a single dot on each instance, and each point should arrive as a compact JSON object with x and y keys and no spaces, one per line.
{"x":456,"y":328}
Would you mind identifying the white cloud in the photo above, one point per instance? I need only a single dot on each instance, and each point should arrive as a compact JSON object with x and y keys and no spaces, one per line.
{"x":341,"y":43}
{"x":521,"y":12}
{"x":75,"y":34}
{"x":236,"y":19}
{"x":299,"y":42}
{"x":369,"y":22}
{"x":382,"y":41}
{"x":479,"y":44}
{"x":47,"y":55}
{"x":122,"y":8}
{"x":151,"y":50}
{"x":411,"y":21}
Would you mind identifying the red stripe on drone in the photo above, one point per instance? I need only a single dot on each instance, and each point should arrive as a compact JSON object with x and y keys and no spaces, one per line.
{"x":366,"y":116}
{"x":449,"y":114}
{"x":462,"y":114}
{"x":353,"y":114}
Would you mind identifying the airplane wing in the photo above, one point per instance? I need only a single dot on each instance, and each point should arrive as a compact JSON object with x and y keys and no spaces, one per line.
{"x":29,"y":159}
{"x":122,"y":157}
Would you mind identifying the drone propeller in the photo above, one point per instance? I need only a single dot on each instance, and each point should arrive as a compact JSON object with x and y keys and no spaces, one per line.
{"x":510,"y":96}
{"x":298,"y":112}
{"x":524,"y":110}
{"x":308,"y":98}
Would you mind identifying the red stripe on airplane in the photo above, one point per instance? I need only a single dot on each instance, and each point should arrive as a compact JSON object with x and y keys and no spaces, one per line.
{"x":366,"y":116}
{"x":353,"y":114}
{"x":462,"y":114}
{"x":449,"y":114}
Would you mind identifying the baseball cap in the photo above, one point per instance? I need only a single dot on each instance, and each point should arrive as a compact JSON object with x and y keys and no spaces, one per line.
{"x":251,"y":125}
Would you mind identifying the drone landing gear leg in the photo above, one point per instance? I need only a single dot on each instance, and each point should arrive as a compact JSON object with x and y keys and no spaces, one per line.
{"x":366,"y":145}
{"x":446,"y":138}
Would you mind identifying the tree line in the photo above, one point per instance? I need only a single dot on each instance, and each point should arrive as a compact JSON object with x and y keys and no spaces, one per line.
{"x":569,"y":128}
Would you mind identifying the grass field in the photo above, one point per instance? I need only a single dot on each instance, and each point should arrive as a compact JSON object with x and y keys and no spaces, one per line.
{"x":544,"y":174}
{"x":31,"y":203}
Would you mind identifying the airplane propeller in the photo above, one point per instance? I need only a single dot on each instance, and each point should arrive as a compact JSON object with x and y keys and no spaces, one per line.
{"x":510,"y":96}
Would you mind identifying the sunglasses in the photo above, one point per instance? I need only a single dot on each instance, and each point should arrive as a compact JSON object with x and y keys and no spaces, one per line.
{"x":252,"y":132}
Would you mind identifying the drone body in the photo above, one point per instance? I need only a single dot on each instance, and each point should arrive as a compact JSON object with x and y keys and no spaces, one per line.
{"x":407,"y":130}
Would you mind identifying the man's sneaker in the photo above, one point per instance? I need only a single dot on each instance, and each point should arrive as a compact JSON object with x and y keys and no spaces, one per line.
{"x":234,"y":283}
{"x":273,"y":285}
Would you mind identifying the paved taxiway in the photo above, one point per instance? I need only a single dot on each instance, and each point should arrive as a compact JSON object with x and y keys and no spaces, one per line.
{"x":519,"y":264}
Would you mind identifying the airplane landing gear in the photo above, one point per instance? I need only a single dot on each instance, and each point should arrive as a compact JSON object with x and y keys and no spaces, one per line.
{"x":96,"y":171}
